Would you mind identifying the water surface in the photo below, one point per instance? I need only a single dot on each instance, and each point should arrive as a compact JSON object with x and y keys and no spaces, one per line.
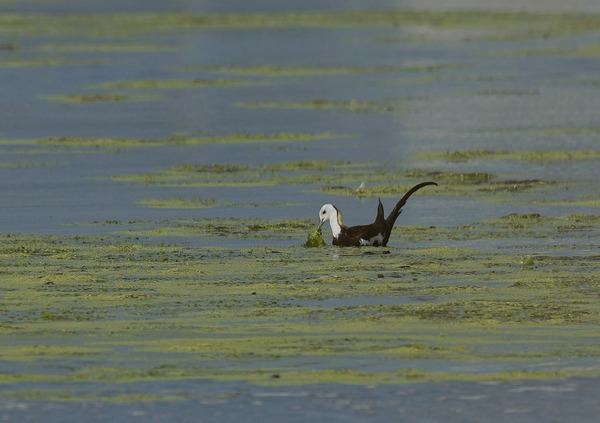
{"x":145,"y":145}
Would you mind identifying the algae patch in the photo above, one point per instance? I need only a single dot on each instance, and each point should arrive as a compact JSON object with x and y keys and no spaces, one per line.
{"x":530,"y":156}
{"x":100,"y":98}
{"x":236,"y":138}
{"x":297,"y":71}
{"x":46,"y":62}
{"x":179,"y":203}
{"x":176,"y":84}
{"x":494,"y":24}
{"x":366,"y":179}
{"x":221,"y":228}
{"x":354,"y":105}
{"x":315,"y":239}
{"x":235,"y":174}
{"x":116,"y":308}
{"x":126,"y":48}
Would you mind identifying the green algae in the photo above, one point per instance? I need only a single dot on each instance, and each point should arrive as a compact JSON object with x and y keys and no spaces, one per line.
{"x":163,"y":84}
{"x":371,"y":179}
{"x":202,"y":203}
{"x":237,"y":138}
{"x":546,"y":202}
{"x":100,"y":97}
{"x":527,"y":263}
{"x":232,"y":174}
{"x":494,"y":24}
{"x":288,"y":71}
{"x":296,"y":71}
{"x":587,"y":50}
{"x":116,"y":308}
{"x":540,"y":156}
{"x":219,"y":228}
{"x":368,"y":191}
{"x":315,"y":239}
{"x":484,"y":185}
{"x":129,"y":307}
{"x":22,"y":164}
{"x":42,"y":62}
{"x":507,"y":92}
{"x":179,"y":203}
{"x":9,"y":46}
{"x":126,"y":48}
{"x":354,"y":106}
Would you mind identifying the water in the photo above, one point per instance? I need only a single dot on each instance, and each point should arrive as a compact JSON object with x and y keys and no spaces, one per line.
{"x":448,"y":91}
{"x":442,"y":402}
{"x":451,"y":108}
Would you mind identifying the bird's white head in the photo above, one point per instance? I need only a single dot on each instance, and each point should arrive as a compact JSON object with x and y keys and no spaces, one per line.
{"x":326,"y":213}
{"x":330,"y":213}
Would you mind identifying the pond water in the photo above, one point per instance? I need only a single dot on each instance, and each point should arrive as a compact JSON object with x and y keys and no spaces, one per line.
{"x":415,"y":88}
{"x":195,"y":128}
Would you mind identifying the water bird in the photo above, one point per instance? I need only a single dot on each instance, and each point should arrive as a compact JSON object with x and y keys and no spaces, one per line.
{"x":376,"y":234}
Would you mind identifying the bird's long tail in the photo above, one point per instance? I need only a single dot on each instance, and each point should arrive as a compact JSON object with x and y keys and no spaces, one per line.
{"x":391,"y":219}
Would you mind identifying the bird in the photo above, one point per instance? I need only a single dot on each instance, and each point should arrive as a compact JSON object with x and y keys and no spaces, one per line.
{"x":376,"y":234}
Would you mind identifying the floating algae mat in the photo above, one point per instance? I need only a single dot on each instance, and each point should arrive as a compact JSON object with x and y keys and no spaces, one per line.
{"x":128,"y":308}
{"x":315,"y":239}
{"x":355,"y":106}
{"x":380,"y":179}
{"x":238,"y":138}
{"x":487,"y":24}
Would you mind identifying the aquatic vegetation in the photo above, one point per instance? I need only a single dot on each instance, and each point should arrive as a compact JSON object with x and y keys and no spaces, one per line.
{"x":21,"y":164}
{"x":493,"y":24}
{"x":242,"y":299}
{"x":105,"y":47}
{"x":176,"y":84}
{"x":179,"y":203}
{"x":532,"y":156}
{"x":315,"y":239}
{"x":9,"y":46}
{"x":103,"y":305}
{"x":527,"y":262}
{"x":46,"y":62}
{"x":94,"y":98}
{"x":587,"y":50}
{"x":236,"y":138}
{"x":272,"y":70}
{"x":298,"y":172}
{"x":355,"y":106}
{"x":480,"y":184}
{"x":360,"y":179}
{"x":396,"y":190}
{"x":219,"y":228}
{"x":301,"y":71}
{"x":507,"y":91}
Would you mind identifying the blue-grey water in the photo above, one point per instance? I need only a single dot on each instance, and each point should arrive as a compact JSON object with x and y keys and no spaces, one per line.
{"x":447,"y":402}
{"x":63,"y":190}
{"x":53,"y":187}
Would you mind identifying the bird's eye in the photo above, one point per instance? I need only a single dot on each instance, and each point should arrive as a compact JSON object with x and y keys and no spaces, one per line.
{"x":323,"y":212}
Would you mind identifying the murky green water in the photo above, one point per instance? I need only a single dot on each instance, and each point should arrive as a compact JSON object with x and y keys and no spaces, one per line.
{"x":161,"y":168}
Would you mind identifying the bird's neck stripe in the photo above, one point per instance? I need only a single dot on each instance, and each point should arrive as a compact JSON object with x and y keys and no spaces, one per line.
{"x":339,"y":217}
